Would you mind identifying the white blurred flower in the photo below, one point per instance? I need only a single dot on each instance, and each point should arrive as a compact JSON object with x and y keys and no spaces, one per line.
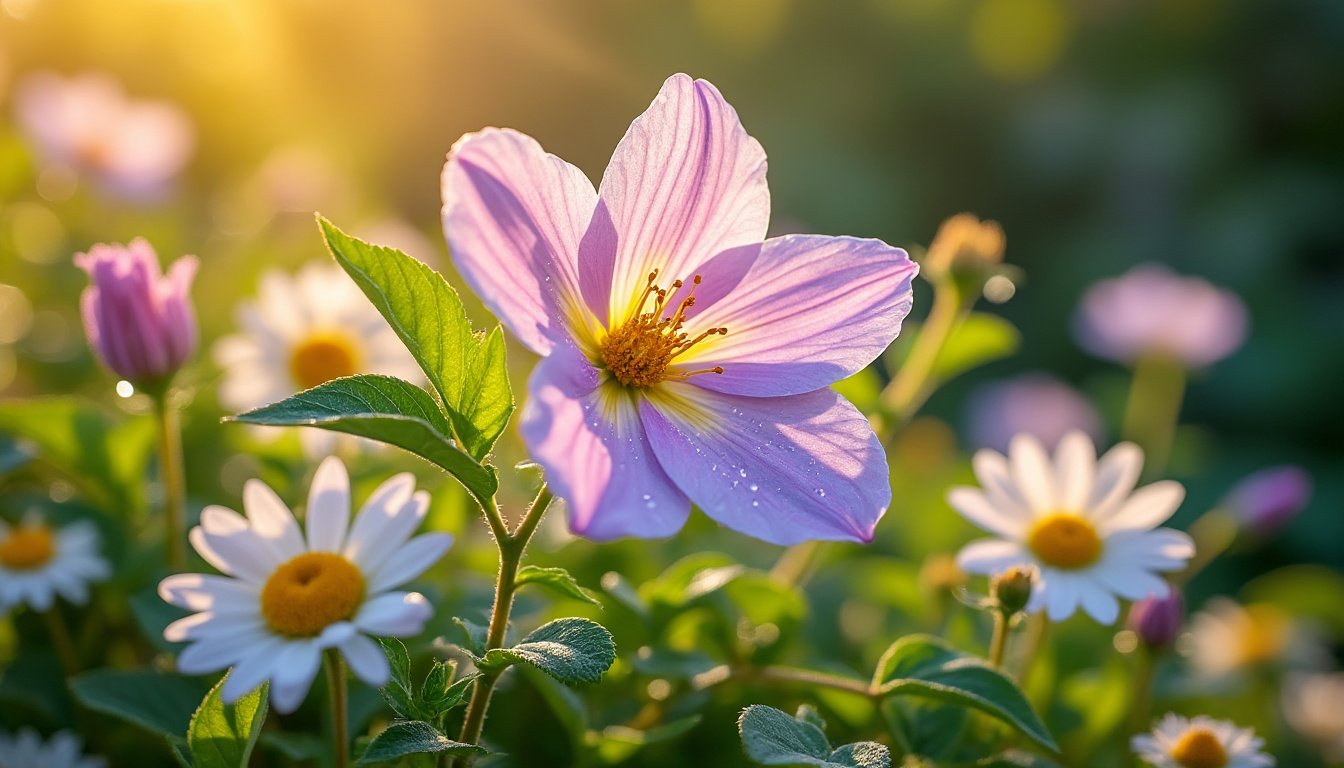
{"x":286,"y":597}
{"x":27,"y":750}
{"x":300,"y":332}
{"x":1077,"y":519}
{"x":1313,"y":705}
{"x":1152,"y":311}
{"x":39,"y":562}
{"x":1226,"y":637}
{"x":1200,"y":742}
{"x":87,"y":124}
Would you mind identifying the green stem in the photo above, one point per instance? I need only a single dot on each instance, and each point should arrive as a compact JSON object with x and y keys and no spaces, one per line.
{"x":60,"y":640}
{"x":174,"y":484}
{"x":1143,"y":693}
{"x":340,"y":717}
{"x":999,"y":641}
{"x":1154,"y":408}
{"x":1213,"y":532}
{"x":913,"y":384}
{"x":511,"y":549}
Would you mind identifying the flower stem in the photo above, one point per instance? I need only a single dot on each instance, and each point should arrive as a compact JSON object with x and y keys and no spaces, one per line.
{"x":60,"y":639}
{"x":340,"y":736}
{"x":912,"y":385}
{"x":174,"y":484}
{"x":511,"y":549}
{"x":1142,"y":703}
{"x":1154,"y":408}
{"x":999,"y":641}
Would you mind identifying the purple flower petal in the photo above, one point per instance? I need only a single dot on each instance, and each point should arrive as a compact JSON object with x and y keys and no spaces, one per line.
{"x":513,"y":216}
{"x":685,"y":184}
{"x":782,"y":469}
{"x":811,"y":311}
{"x":597,"y":458}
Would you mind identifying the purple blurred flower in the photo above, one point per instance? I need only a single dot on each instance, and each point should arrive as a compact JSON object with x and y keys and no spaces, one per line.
{"x":86,"y":123}
{"x":1151,"y":310}
{"x":1158,"y":620}
{"x":1035,"y":403}
{"x":685,"y":359}
{"x":139,"y":322}
{"x":1269,"y":499}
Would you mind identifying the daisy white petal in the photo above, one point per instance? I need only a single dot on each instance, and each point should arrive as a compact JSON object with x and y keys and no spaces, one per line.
{"x":412,"y":559}
{"x":328,"y":507}
{"x":366,"y":660}
{"x":39,"y":561}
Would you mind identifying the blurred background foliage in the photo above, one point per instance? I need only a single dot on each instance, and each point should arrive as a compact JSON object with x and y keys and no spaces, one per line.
{"x":1100,"y":133}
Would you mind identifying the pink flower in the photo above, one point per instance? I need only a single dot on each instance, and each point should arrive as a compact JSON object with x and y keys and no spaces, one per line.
{"x":1149,"y":310}
{"x":687,"y":359}
{"x":1157,"y":620}
{"x":1035,"y":403}
{"x":139,"y":322}
{"x":133,"y":148}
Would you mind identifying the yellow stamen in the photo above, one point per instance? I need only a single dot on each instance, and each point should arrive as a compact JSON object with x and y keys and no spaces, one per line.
{"x":640,"y":351}
{"x":1199,"y":748}
{"x":321,"y":357}
{"x":1065,"y":540}
{"x":27,"y":548}
{"x":311,"y":592}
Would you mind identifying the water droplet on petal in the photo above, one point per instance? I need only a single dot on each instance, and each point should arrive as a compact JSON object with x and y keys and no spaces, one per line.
{"x":742,"y":472}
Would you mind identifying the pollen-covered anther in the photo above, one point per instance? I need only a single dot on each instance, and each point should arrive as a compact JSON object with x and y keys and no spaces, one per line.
{"x":640,"y":352}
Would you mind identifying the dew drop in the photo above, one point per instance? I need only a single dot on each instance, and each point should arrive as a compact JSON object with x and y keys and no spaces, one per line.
{"x":754,"y":487}
{"x":742,"y":472}
{"x":821,"y":493}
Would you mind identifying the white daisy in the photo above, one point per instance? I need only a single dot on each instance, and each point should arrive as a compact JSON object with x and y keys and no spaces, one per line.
{"x":1200,"y":742}
{"x":1226,"y":637}
{"x":27,"y":750}
{"x":1078,"y":519}
{"x":284,"y":598}
{"x":39,"y":562}
{"x":303,"y":331}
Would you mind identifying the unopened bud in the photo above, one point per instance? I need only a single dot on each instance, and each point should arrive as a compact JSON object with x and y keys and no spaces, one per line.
{"x":1270,"y":498}
{"x":1011,"y":589}
{"x":966,"y":248}
{"x":1158,"y":620}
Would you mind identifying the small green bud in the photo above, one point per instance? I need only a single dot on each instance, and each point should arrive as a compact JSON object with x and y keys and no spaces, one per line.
{"x":1011,"y":589}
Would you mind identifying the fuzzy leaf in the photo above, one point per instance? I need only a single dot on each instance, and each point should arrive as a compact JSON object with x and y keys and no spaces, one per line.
{"x":921,"y":665}
{"x":771,"y":737}
{"x":223,"y":735}
{"x":571,"y":650}
{"x":409,"y":737}
{"x":380,"y":408}
{"x":557,"y":579}
{"x":467,"y":369}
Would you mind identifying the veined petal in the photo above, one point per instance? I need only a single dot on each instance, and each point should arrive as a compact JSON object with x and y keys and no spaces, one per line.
{"x":783,"y":469}
{"x":328,"y":507}
{"x":513,"y":216}
{"x":378,"y":515}
{"x":589,"y":437}
{"x":686,"y":183}
{"x":810,"y":311}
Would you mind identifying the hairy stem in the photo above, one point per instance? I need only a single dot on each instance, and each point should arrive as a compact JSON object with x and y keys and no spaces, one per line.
{"x":174,"y":484}
{"x":340,"y":735}
{"x":999,"y":641}
{"x":511,"y":549}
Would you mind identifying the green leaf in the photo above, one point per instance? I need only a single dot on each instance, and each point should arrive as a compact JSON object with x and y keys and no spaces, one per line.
{"x":409,"y":737}
{"x":438,"y":696}
{"x":771,"y":737}
{"x":399,"y":692}
{"x":571,"y":650}
{"x":380,"y":408}
{"x":557,"y":579}
{"x":921,"y":665}
{"x":473,"y":635}
{"x":159,"y":702}
{"x":980,"y":339}
{"x":467,"y":369}
{"x":223,"y":735}
{"x":107,"y":458}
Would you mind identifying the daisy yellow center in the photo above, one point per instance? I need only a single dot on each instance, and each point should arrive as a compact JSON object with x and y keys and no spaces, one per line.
{"x":27,"y":548}
{"x":1264,"y":634}
{"x":310,"y":592}
{"x":1065,"y":540}
{"x":1199,"y":748}
{"x":323,"y":357}
{"x":641,"y":351}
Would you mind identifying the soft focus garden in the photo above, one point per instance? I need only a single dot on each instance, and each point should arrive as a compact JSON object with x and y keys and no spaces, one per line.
{"x":449,"y":384}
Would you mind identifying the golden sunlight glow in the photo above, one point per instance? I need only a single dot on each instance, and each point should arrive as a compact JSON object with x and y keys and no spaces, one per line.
{"x":310,"y":593}
{"x":27,"y":548}
{"x":1065,"y":540}
{"x":1019,"y":40}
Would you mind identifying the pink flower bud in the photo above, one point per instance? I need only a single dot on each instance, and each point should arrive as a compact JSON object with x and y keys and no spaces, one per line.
{"x":139,"y":322}
{"x":1158,"y":620}
{"x":1268,"y":499}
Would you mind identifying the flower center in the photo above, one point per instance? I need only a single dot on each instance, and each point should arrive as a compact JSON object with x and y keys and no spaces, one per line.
{"x":322,"y":357}
{"x":27,"y":548}
{"x":1263,"y":634}
{"x":640,"y":351}
{"x":310,"y":592}
{"x":1065,"y":540}
{"x":1199,"y":748}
